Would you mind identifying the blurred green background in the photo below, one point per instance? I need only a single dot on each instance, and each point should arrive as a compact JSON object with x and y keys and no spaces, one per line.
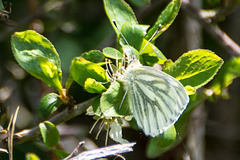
{"x":76,"y":26}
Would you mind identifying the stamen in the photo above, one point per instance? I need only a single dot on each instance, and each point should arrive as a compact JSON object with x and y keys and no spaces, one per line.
{"x":109,"y":74}
{"x":107,"y":68}
{"x":94,"y":126}
{"x":111,"y":69}
{"x":106,"y":138}
{"x":100,"y":129}
{"x":124,"y":61}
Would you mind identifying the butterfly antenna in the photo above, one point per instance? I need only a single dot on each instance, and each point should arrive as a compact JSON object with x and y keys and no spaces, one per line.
{"x":115,"y":24}
{"x":116,"y":61}
{"x":154,"y":34}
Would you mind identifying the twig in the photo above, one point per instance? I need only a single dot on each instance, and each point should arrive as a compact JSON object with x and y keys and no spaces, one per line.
{"x":10,"y":132}
{"x":30,"y":134}
{"x":105,"y":152}
{"x":221,"y":12}
{"x":75,"y":151}
{"x":232,"y":47}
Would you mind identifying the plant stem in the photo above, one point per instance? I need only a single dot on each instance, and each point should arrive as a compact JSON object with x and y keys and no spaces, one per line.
{"x":33,"y":133}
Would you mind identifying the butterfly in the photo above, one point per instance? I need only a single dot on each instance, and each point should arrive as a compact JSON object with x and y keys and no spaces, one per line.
{"x":155,"y":98}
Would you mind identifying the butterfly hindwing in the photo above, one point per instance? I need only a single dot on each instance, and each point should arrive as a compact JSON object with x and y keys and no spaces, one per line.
{"x":156,"y":99}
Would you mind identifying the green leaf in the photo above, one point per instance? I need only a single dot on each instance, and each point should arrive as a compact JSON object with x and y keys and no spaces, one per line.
{"x":95,"y":108}
{"x":69,"y":82}
{"x":161,"y":143}
{"x":95,"y":56}
{"x":82,"y":69}
{"x":229,"y":71}
{"x":49,"y":133}
{"x":60,"y":153}
{"x":120,"y":12}
{"x":150,"y":54}
{"x":38,"y":57}
{"x":113,"y":53}
{"x":133,"y":34}
{"x":32,"y":156}
{"x":92,"y":86}
{"x":166,"y":18}
{"x":50,"y":71}
{"x":49,"y":104}
{"x":1,"y":5}
{"x":168,"y":137}
{"x":111,"y":100}
{"x":140,"y":3}
{"x":195,"y":68}
{"x":167,"y":64}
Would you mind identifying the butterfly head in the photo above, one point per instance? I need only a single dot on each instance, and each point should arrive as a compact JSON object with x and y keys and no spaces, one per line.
{"x":133,"y":62}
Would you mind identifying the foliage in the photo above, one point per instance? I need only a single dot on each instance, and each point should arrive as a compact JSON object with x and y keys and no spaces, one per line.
{"x":194,"y":69}
{"x":49,"y":133}
{"x":38,"y":57}
{"x":229,"y":71}
{"x":49,"y":104}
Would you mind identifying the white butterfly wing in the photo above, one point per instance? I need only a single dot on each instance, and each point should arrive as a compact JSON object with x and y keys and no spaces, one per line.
{"x":156,"y":99}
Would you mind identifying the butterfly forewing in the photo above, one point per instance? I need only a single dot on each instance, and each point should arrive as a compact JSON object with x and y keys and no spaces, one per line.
{"x":156,"y":99}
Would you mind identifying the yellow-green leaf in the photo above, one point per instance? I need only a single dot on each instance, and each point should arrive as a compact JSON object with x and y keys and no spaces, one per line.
{"x":92,"y":86}
{"x":38,"y":57}
{"x":195,"y":68}
{"x":82,"y":69}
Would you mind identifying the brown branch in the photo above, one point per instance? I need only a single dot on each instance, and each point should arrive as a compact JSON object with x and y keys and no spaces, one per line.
{"x":33,"y":133}
{"x":219,"y":14}
{"x":232,"y":47}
